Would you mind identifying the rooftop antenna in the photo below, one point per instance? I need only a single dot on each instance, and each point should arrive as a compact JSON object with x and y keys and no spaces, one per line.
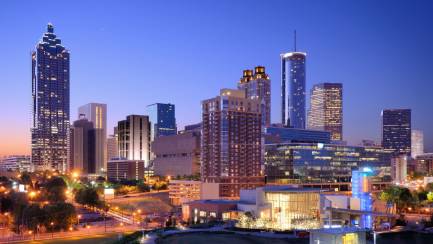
{"x":295,"y":40}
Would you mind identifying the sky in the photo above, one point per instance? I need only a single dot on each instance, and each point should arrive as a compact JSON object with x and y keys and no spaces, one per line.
{"x":129,"y":54}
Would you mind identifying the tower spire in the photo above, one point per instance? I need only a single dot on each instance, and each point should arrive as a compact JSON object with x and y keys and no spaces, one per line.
{"x":295,"y":40}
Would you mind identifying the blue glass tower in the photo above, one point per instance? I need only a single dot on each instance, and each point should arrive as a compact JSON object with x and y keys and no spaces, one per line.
{"x":293,"y":79}
{"x":50,"y":103}
{"x":162,"y":118}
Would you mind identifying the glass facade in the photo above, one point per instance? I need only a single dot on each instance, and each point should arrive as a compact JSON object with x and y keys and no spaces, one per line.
{"x":322,"y":163}
{"x":163,"y":119}
{"x":293,"y":79}
{"x":326,"y":109}
{"x":396,"y":130}
{"x":361,"y":191}
{"x":294,"y":210}
{"x":285,"y":135}
{"x":50,"y":103}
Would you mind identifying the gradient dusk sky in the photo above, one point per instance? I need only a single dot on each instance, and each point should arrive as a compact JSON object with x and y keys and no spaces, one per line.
{"x":129,"y":54}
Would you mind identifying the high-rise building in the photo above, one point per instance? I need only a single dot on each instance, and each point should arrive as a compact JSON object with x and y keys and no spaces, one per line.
{"x":112,"y":149}
{"x":326,"y":109}
{"x":50,"y":103}
{"x":177,"y":155}
{"x":134,"y":138}
{"x":399,"y":168}
{"x":97,"y":114}
{"x":396,"y":130}
{"x":257,"y":85}
{"x":82,"y":144}
{"x":293,"y":79}
{"x":417,"y":143}
{"x":162,"y":118}
{"x":231,"y":148}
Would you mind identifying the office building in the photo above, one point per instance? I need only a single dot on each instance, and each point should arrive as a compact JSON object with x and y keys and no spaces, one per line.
{"x":231,"y":148}
{"x":134,"y":138}
{"x":97,"y":114}
{"x":396,"y":130}
{"x":424,"y":163}
{"x":82,"y":144}
{"x":278,"y":134}
{"x":417,"y":143}
{"x":257,"y":85}
{"x":112,"y":148}
{"x":193,"y":127}
{"x":399,"y":168}
{"x":123,"y":169}
{"x":177,"y":155}
{"x":183,"y":191}
{"x":50,"y":103}
{"x":326,"y":109}
{"x":299,"y":163}
{"x":19,"y":163}
{"x":162,"y":118}
{"x":293,"y":82}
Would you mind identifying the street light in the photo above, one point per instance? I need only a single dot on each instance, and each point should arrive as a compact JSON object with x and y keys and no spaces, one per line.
{"x":78,"y":219}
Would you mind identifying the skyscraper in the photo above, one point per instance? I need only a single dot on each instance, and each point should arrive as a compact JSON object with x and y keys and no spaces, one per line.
{"x":97,"y":114}
{"x":162,"y":118}
{"x":396,"y":131}
{"x":257,"y":85}
{"x":231,"y":142}
{"x":326,"y":109}
{"x":134,"y":138}
{"x":50,"y":103}
{"x":83,"y":147}
{"x":417,"y":140}
{"x":293,"y":79}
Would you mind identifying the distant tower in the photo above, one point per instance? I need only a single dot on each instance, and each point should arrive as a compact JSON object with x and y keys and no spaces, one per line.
{"x":97,"y":114}
{"x":417,"y":140}
{"x":326,"y":109}
{"x":50,"y":106}
{"x":257,"y":85}
{"x":162,"y":118}
{"x":396,"y":131}
{"x":293,"y":82}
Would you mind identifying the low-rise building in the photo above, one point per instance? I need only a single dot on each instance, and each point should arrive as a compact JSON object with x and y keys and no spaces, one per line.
{"x":19,"y":163}
{"x":123,"y":169}
{"x":202,"y":211}
{"x":338,"y":236}
{"x":424,"y":163}
{"x":182,"y":191}
{"x":177,"y":155}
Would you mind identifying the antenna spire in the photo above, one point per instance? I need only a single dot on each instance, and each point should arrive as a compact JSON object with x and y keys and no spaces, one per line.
{"x":295,"y":40}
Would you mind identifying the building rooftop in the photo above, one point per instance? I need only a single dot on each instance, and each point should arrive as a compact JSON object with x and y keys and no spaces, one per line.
{"x":289,"y":188}
{"x":214,"y":201}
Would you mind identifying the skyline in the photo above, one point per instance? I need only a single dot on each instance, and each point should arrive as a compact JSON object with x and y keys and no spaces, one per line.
{"x":144,"y":66}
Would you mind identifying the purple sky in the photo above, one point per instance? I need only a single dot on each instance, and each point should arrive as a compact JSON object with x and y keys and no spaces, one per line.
{"x":129,"y":54}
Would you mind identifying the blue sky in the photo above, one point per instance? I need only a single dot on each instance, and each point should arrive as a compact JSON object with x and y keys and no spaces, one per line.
{"x":129,"y":54}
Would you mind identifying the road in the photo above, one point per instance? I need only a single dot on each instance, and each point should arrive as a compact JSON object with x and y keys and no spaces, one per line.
{"x":93,"y":231}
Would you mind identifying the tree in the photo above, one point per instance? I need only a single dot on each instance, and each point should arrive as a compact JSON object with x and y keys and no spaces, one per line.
{"x":87,"y":196}
{"x":399,"y":196}
{"x":26,"y":179}
{"x":142,"y":187}
{"x":33,"y":216}
{"x":62,"y":214}
{"x":430,"y":197}
{"x":55,"y":189}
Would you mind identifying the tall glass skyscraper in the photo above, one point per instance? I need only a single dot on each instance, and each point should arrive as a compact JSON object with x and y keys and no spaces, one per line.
{"x":293,"y":78}
{"x":326,"y":109}
{"x":397,"y":130}
{"x":50,"y":103}
{"x":162,"y":118}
